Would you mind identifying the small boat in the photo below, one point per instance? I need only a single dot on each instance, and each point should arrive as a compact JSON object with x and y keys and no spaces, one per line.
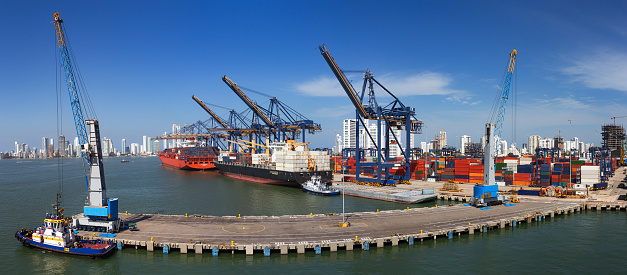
{"x":315,"y":185}
{"x":124,"y":161}
{"x":56,"y":235}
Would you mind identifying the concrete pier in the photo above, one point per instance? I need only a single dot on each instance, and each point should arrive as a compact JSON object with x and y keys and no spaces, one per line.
{"x":285,"y":234}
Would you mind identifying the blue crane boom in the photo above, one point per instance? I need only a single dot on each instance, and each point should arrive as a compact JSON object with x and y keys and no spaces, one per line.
{"x":77,"y":111}
{"x":504,"y":97}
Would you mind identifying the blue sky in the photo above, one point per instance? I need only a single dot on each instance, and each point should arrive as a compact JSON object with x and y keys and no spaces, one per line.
{"x":143,"y":60}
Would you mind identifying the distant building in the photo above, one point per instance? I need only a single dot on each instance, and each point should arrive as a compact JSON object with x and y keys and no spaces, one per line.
{"x":123,"y":146}
{"x":62,"y":147}
{"x":534,"y":143}
{"x":463,"y":142}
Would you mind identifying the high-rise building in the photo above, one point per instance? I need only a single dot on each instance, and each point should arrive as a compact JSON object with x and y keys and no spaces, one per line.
{"x":144,"y":145}
{"x":62,"y":148}
{"x":337,"y":149}
{"x":534,"y":143}
{"x":135,"y":149}
{"x":149,"y":144}
{"x":350,"y":137}
{"x":44,"y":146}
{"x":463,"y":142}
{"x":441,"y":138}
{"x":77,"y":147}
{"x":123,"y":146}
{"x":613,"y":137}
{"x":156,"y":147}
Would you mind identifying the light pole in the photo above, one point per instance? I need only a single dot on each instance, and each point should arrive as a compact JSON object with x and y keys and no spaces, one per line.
{"x":570,"y":151}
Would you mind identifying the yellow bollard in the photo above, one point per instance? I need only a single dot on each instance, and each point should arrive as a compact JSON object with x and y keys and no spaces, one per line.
{"x":407,"y":208}
{"x":468,"y":224}
{"x":356,"y":239}
{"x":232,"y":243}
{"x":239,"y":216}
{"x":377,"y":210}
{"x":527,"y":215}
{"x":94,"y":234}
{"x":436,"y":206}
{"x":310,"y":214}
{"x":185,"y":215}
{"x":151,"y":239}
{"x":126,"y":213}
{"x":420,"y":231}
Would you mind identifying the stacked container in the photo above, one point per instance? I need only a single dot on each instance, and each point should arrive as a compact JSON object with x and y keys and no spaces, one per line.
{"x":589,"y":175}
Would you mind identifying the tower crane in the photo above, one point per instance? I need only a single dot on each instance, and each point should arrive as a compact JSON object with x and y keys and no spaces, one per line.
{"x":486,"y":194}
{"x":99,"y":212}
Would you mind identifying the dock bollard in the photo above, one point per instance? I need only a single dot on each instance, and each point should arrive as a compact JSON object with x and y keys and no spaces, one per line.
{"x":377,"y":210}
{"x":239,"y":216}
{"x":151,"y":239}
{"x":185,"y":215}
{"x":311,"y":214}
{"x":126,"y":213}
{"x":436,"y":205}
{"x":356,"y":239}
{"x":232,"y":243}
{"x":420,"y":231}
{"x":407,"y":208}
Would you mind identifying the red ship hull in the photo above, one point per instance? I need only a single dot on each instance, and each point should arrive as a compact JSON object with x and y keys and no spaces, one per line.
{"x":171,"y":158}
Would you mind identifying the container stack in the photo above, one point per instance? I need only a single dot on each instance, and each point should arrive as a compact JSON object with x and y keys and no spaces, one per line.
{"x":545,"y":175}
{"x":447,"y":174}
{"x":259,"y":159}
{"x":417,"y":169}
{"x":475,"y":173}
{"x":590,"y":175}
{"x":525,"y":174}
{"x":462,"y":170}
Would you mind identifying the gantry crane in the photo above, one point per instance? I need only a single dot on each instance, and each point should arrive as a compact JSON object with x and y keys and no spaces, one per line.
{"x":100,"y":212}
{"x":393,"y":115}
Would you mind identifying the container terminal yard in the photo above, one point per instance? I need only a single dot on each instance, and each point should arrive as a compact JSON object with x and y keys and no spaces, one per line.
{"x":299,"y":233}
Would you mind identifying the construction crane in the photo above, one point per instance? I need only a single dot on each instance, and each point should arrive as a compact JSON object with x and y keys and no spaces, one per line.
{"x":486,"y":194}
{"x":100,"y":212}
{"x":394,"y":115}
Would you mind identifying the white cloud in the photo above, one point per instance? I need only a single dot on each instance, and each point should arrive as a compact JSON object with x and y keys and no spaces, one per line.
{"x":426,"y":83}
{"x":564,"y":102}
{"x":604,"y":70}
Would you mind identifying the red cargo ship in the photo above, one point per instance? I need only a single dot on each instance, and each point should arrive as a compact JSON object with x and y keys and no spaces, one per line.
{"x":189,"y":158}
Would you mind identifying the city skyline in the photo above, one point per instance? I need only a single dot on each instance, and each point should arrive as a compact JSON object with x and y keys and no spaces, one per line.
{"x":444,"y":60}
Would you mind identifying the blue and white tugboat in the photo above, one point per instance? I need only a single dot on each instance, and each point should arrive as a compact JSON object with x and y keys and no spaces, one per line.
{"x":315,"y":185}
{"x":56,"y":235}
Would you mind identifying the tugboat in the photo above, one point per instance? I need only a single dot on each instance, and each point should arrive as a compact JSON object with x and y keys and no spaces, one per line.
{"x":124,"y":161}
{"x":315,"y":186}
{"x":57,"y":236}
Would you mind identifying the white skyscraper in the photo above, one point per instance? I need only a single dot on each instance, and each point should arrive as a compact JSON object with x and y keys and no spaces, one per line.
{"x":144,"y":143}
{"x":123,"y":146}
{"x":533,"y":143}
{"x":464,"y":141}
{"x":349,"y":135}
{"x":135,"y":149}
{"x":44,"y":146}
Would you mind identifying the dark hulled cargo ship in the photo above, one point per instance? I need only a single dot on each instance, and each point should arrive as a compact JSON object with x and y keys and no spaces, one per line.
{"x":285,"y":163}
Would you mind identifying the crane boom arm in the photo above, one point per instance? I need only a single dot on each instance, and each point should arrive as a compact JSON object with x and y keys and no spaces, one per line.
{"x":505,"y":96}
{"x":348,"y":88}
{"x":77,"y":111}
{"x":213,"y":115}
{"x":247,"y":101}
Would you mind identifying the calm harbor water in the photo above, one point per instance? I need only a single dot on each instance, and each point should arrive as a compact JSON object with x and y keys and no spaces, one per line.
{"x":583,"y":243}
